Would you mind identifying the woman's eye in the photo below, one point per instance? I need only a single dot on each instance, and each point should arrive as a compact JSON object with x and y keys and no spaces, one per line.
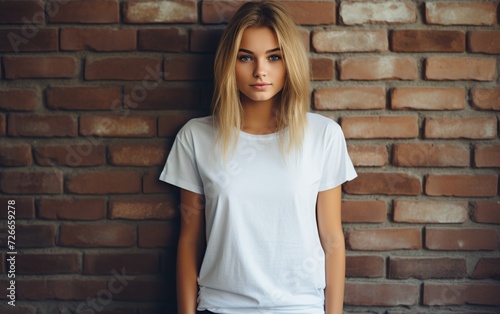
{"x":274,"y":58}
{"x":245,"y":58}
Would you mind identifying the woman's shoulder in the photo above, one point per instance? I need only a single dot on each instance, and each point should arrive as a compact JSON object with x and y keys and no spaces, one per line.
{"x":196,"y":128}
{"x":321,"y":123}
{"x":198,"y":124}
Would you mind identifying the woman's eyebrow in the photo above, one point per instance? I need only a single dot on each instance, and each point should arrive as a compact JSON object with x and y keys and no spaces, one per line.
{"x":251,"y":52}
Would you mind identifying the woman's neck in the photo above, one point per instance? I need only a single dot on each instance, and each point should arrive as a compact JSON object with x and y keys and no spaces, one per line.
{"x":259,"y":117}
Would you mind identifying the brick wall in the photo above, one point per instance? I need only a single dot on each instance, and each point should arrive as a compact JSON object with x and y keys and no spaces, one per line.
{"x":92,"y":93}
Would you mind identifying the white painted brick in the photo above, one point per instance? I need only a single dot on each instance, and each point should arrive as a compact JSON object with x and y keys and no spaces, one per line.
{"x":350,"y":41}
{"x":171,"y":11}
{"x":378,"y":12}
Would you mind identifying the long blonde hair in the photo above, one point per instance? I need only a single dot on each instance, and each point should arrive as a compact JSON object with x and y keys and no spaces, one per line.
{"x":291,"y":116}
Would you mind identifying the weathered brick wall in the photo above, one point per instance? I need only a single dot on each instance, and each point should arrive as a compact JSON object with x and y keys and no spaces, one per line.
{"x":92,"y":93}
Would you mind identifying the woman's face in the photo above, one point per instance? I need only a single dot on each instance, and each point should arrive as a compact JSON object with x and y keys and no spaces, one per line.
{"x":260,"y":69}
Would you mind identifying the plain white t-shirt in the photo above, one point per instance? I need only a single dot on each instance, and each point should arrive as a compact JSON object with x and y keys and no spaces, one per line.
{"x":263,"y":250}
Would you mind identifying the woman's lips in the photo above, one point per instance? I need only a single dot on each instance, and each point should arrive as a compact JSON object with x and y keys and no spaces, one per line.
{"x":261,"y":86}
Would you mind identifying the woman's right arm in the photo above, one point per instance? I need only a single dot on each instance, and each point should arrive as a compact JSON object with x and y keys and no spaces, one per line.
{"x":190,"y":251}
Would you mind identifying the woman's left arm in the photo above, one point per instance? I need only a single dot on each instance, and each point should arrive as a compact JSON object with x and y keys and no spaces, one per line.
{"x":332,"y":240}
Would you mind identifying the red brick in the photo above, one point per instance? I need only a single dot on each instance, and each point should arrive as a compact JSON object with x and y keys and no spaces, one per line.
{"x":32,"y":289}
{"x":118,"y":126}
{"x":384,"y":239}
{"x":34,"y":182}
{"x":76,"y":155}
{"x":171,"y":39}
{"x":97,"y":235}
{"x":460,"y":68}
{"x":487,"y":267}
{"x":104,"y":182}
{"x":189,"y":68}
{"x":204,"y":40}
{"x":380,"y":127}
{"x":311,"y":13}
{"x":18,"y":309}
{"x":484,"y":42}
{"x":377,"y":12}
{"x":378,"y":68}
{"x":170,"y":124}
{"x":59,"y":289}
{"x":426,"y":268}
{"x":363,"y":211}
{"x":95,"y":39}
{"x":369,"y":266}
{"x":148,"y":12}
{"x":460,"y":13}
{"x":15,"y":154}
{"x":157,"y":208}
{"x":18,"y":99}
{"x":162,"y":97}
{"x":381,"y":294}
{"x":42,"y":125}
{"x":487,"y":155}
{"x":350,"y":40}
{"x":28,"y":39}
{"x":486,"y":212}
{"x":47,"y":263}
{"x":21,"y":12}
{"x":430,"y":155}
{"x":152,"y":185}
{"x":368,"y":155}
{"x":349,"y":98}
{"x":486,"y":98}
{"x":123,"y":309}
{"x":384,"y":183}
{"x":3,"y":125}
{"x":136,"y":263}
{"x":72,"y":209}
{"x":86,"y":11}
{"x":461,"y":294}
{"x":303,"y":12}
{"x":35,"y":67}
{"x":430,"y":98}
{"x":322,"y":69}
{"x":157,"y":235}
{"x":35,"y":236}
{"x":84,"y":97}
{"x":469,"y":128}
{"x":144,"y":290}
{"x":24,"y":207}
{"x":306,"y":38}
{"x":137,"y":154}
{"x":463,"y":239}
{"x":123,"y":68}
{"x":218,"y":11}
{"x":430,"y":211}
{"x":461,"y":185}
{"x":423,"y":40}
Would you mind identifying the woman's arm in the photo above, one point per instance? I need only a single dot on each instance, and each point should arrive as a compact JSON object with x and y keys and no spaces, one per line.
{"x":332,"y":240}
{"x":190,"y":250}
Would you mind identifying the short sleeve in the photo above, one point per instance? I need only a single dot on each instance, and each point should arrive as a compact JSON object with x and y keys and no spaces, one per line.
{"x":337,"y":165}
{"x":181,"y":168}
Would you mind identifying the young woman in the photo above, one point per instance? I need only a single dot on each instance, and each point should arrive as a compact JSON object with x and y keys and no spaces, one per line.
{"x":260,"y":181}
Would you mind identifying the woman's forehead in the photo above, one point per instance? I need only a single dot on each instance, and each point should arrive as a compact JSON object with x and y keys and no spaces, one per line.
{"x":259,"y":39}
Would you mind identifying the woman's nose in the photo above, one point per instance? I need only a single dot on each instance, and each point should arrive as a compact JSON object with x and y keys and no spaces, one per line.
{"x":260,"y":69}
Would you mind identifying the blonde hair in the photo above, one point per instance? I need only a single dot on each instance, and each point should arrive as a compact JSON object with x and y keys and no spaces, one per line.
{"x":290,"y":115}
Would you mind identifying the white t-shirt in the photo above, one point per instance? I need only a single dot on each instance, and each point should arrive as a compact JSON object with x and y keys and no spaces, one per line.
{"x":263,"y":250}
